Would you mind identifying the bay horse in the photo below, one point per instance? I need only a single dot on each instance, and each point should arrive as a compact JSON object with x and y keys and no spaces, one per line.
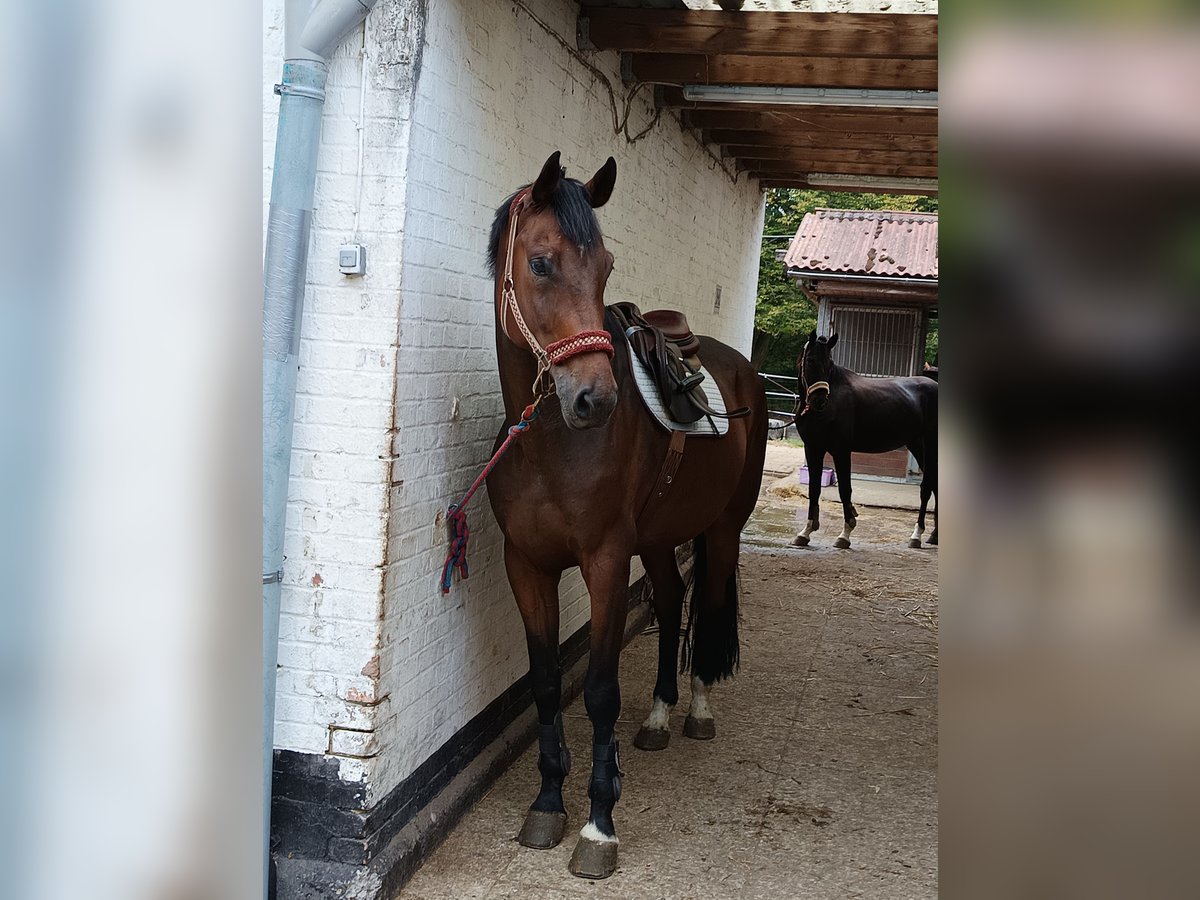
{"x":575,"y":490}
{"x":840,"y":412}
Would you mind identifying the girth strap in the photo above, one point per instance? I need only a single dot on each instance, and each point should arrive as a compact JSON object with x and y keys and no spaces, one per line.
{"x":669,"y":467}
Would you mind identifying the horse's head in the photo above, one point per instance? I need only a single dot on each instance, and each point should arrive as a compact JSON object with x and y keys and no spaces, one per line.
{"x":559,"y":266}
{"x":815,"y":368}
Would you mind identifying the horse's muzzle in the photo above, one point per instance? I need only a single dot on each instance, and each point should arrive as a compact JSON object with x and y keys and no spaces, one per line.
{"x":587,"y":402}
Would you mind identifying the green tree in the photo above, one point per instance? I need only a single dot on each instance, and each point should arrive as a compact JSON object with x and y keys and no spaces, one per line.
{"x":783,"y":315}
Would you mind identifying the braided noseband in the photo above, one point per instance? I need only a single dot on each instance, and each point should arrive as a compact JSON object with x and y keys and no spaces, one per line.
{"x":559,"y":351}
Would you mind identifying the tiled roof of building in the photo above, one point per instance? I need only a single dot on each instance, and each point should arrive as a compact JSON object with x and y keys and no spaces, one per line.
{"x":866,"y":242}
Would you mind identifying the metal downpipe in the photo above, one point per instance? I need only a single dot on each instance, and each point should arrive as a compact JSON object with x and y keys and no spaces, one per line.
{"x":313,"y":30}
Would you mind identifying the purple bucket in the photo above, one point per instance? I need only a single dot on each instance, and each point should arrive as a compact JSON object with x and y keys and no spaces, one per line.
{"x":827,"y":476}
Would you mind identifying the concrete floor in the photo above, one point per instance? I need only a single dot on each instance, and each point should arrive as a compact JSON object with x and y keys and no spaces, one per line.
{"x":821,"y":781}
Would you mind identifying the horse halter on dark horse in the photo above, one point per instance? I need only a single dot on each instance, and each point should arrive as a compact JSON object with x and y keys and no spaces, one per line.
{"x":559,"y":351}
{"x":811,"y":388}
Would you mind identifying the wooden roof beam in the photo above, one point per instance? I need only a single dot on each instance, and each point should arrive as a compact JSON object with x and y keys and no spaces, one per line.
{"x":809,"y":156}
{"x":709,"y":32}
{"x":825,"y":140}
{"x":798,"y":71}
{"x":764,"y":168}
{"x":799,"y":181}
{"x":809,"y":122}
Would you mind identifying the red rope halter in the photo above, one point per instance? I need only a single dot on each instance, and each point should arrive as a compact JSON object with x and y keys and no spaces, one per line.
{"x":559,"y":351}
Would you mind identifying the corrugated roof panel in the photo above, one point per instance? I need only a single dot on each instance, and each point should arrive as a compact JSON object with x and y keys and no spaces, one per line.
{"x":866,"y":242}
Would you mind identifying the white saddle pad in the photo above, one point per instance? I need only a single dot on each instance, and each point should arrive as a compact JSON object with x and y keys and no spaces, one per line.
{"x":711,"y":426}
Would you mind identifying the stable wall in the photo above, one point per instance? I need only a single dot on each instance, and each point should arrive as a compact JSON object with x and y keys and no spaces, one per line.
{"x":335,"y":544}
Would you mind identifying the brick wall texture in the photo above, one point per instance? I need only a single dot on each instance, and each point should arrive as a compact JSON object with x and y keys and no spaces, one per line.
{"x":893,"y":464}
{"x":398,"y":399}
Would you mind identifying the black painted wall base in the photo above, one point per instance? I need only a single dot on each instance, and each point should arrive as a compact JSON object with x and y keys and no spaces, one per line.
{"x":325,"y":843}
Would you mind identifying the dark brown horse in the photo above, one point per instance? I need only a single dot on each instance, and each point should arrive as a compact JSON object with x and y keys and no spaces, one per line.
{"x":842,"y":412}
{"x":575,"y":489}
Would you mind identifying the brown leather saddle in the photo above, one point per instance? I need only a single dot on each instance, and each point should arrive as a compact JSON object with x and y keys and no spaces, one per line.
{"x":665,"y":345}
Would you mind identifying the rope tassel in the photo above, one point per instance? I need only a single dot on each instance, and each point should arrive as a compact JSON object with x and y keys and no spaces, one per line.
{"x":456,"y":513}
{"x":457,"y":558}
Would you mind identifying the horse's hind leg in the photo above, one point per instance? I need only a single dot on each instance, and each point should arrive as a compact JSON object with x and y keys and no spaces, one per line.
{"x":713,"y":627}
{"x":537,"y":597}
{"x":841,"y":465}
{"x":918,"y":452}
{"x":930,"y":479}
{"x":667,"y":598}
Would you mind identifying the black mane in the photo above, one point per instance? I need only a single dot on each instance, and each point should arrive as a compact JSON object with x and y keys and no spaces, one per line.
{"x":572,"y":208}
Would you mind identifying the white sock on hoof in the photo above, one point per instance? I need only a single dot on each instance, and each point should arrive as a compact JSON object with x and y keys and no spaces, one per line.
{"x":590,"y":832}
{"x":700,"y":708}
{"x":917,"y":532}
{"x":660,"y":716}
{"x":847,"y":527}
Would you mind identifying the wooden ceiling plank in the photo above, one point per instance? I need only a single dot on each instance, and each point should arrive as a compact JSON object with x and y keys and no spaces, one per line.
{"x":832,"y":140}
{"x":862,"y":35}
{"x":799,"y":181}
{"x":769,"y":168}
{"x":792,"y":154}
{"x":796,"y":71}
{"x":811,"y":122}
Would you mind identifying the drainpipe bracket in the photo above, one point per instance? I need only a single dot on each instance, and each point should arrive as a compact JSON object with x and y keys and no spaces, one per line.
{"x":274,"y":578}
{"x":300,"y":91}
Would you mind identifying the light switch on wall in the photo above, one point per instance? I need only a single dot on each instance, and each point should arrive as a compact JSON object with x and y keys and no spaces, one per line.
{"x":352,"y":259}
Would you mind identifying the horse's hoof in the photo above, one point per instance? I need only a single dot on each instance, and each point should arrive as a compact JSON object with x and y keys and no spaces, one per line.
{"x":800,"y":541}
{"x":593,"y":859}
{"x":933,"y":539}
{"x":542,"y":830}
{"x":699,"y":729}
{"x":652,"y":738}
{"x":914,"y":543}
{"x":842,"y":543}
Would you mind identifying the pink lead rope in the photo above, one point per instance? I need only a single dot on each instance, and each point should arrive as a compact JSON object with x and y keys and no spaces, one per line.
{"x":456,"y":515}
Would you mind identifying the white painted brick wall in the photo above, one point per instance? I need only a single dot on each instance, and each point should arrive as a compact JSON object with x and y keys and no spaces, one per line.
{"x":328,"y":689}
{"x":495,"y":96}
{"x":376,"y":666}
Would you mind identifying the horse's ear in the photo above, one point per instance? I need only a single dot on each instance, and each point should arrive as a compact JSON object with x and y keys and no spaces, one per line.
{"x":832,"y":341}
{"x":600,"y":188}
{"x":812,"y":337}
{"x":547,"y":181}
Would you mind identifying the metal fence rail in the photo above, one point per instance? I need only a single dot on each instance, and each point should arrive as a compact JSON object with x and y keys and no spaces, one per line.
{"x":781,"y":401}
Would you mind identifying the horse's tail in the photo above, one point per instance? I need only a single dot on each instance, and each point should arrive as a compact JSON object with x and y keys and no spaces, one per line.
{"x":710,"y":642}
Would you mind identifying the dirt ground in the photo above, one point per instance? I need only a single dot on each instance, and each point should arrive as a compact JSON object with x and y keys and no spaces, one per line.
{"x":821,"y":781}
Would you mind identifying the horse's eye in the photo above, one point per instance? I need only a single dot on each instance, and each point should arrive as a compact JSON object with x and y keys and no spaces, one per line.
{"x":540,"y":266}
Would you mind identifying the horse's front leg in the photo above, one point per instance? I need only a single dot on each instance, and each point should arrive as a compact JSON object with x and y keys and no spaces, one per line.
{"x":841,"y":466}
{"x":607,"y":577}
{"x":536,"y":591}
{"x":814,"y":458}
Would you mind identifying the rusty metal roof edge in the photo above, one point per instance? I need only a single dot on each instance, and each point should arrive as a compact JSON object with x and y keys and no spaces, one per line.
{"x":914,"y":280}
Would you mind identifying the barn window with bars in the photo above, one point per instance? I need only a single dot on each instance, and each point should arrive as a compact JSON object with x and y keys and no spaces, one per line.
{"x":874,"y":340}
